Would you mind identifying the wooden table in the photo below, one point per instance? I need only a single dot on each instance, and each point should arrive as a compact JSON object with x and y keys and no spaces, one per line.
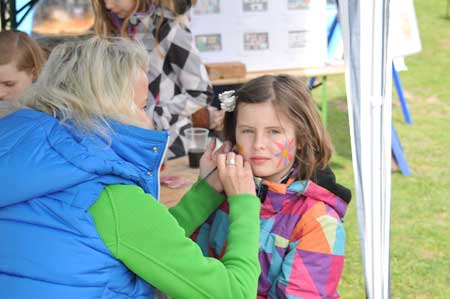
{"x":177,"y":167}
{"x":325,"y":70}
{"x":322,"y":72}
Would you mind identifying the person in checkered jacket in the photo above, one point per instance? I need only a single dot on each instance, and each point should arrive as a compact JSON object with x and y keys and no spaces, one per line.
{"x":179,"y":88}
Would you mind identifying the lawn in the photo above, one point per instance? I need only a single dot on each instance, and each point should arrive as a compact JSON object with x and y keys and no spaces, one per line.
{"x":420,"y":215}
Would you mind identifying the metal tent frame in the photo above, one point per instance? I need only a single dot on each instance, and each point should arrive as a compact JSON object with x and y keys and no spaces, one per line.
{"x":9,"y":13}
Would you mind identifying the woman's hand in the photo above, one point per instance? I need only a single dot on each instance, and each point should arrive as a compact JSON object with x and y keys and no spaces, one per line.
{"x":208,"y":164}
{"x":235,"y":174}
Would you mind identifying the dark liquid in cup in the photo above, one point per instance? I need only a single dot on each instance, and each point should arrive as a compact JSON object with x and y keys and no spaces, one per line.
{"x":194,"y":157}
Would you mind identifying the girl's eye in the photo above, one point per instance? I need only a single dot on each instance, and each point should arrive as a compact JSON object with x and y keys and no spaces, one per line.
{"x":246,"y":131}
{"x":275,"y":132}
{"x":10,"y":84}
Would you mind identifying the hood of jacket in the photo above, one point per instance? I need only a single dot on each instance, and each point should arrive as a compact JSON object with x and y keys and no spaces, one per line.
{"x":39,"y":155}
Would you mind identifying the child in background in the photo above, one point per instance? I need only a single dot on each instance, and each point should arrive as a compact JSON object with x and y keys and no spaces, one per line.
{"x":179,"y":85}
{"x":21,"y":61}
{"x":302,"y":238}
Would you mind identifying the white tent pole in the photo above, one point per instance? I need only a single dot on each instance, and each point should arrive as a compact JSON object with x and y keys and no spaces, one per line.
{"x":368,"y":80}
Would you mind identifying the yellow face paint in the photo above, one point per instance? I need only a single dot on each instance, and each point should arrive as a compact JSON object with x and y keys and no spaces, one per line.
{"x":240,"y":149}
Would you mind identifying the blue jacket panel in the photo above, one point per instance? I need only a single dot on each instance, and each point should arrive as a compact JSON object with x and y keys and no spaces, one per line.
{"x":50,"y":175}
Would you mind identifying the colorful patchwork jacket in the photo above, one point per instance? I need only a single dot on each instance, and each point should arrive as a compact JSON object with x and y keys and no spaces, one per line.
{"x":302,"y":238}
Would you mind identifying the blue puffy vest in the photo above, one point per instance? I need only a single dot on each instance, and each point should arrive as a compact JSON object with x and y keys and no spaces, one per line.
{"x":49,"y":177}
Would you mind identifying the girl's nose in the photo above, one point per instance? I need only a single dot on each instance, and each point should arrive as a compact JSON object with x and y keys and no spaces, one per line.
{"x":259,"y":141}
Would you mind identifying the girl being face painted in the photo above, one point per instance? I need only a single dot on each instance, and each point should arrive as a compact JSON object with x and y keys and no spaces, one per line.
{"x":275,"y":125}
{"x":266,"y":138}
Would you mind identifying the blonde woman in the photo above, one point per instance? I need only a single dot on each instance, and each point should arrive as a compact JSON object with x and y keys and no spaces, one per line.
{"x":179,"y":87}
{"x":79,"y":183}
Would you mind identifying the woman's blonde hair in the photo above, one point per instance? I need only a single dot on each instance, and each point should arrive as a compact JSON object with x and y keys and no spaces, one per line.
{"x":89,"y":82}
{"x":292,"y":97}
{"x":103,"y":24}
{"x":18,"y":47}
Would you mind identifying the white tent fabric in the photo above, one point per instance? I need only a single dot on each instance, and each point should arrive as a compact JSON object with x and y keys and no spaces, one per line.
{"x":369,"y":95}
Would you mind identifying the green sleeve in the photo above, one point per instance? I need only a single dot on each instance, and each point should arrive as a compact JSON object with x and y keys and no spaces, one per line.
{"x":196,"y":206}
{"x":142,"y":234}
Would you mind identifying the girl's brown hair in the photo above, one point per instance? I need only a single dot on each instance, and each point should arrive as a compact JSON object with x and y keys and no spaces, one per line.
{"x":18,"y":47}
{"x":292,"y":97}
{"x":103,"y":25}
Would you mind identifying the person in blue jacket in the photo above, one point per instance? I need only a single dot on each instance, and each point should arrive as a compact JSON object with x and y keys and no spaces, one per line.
{"x":79,"y":189}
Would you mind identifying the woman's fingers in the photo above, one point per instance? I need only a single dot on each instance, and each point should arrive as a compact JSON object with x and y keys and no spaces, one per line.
{"x":221,"y":158}
{"x":235,"y":174}
{"x":231,"y":159}
{"x":239,"y":161}
{"x":207,"y":161}
{"x":211,"y":146}
{"x":225,"y":147}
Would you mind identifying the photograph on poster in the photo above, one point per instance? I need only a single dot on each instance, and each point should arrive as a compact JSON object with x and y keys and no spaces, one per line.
{"x":207,"y":7}
{"x":299,"y":4}
{"x":298,"y":39}
{"x":256,"y":41}
{"x":254,"y":5}
{"x":208,"y":42}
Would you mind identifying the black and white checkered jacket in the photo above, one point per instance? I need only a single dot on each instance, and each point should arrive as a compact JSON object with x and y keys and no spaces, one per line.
{"x":179,"y":84}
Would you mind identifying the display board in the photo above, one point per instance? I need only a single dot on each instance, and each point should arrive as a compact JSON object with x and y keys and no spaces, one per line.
{"x":263,"y":34}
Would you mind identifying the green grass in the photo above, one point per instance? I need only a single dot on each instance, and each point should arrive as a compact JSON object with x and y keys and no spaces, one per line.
{"x":420,"y":210}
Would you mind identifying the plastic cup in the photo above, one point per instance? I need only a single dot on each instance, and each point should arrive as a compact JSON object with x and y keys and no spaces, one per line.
{"x":196,"y":141}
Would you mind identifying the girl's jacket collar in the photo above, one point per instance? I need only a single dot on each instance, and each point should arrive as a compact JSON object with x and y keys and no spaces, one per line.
{"x":323,"y":188}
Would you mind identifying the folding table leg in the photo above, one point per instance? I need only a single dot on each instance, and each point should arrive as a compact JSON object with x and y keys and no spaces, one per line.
{"x":399,"y":156}
{"x":401,"y":97}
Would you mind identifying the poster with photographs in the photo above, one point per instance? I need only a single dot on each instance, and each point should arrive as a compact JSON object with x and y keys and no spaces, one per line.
{"x":262,"y":34}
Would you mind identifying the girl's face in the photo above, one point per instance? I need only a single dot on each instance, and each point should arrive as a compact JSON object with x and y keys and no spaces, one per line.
{"x":140,"y":98}
{"x":121,"y":8}
{"x":13,"y":82}
{"x":266,"y":138}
